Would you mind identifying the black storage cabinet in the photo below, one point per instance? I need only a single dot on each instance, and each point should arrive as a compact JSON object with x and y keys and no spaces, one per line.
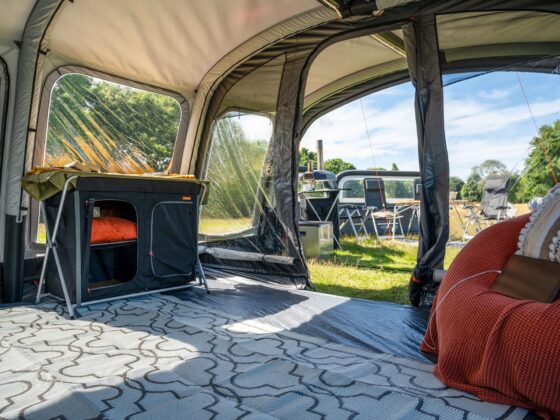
{"x":163,"y":256}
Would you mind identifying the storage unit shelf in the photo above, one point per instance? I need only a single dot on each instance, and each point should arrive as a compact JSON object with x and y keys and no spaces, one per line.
{"x":107,"y":245}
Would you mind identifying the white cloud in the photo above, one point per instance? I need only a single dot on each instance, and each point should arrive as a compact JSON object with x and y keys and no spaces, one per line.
{"x":255,"y":127}
{"x":477,"y":128}
{"x":345,"y":135}
{"x":464,"y":154}
{"x":495,"y":94}
{"x":471,"y":117}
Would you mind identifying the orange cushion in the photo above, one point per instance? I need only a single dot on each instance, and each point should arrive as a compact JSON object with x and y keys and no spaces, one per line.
{"x":502,"y":349}
{"x":112,"y":229}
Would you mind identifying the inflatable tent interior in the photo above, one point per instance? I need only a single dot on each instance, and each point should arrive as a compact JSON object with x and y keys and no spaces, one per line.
{"x":261,"y":344}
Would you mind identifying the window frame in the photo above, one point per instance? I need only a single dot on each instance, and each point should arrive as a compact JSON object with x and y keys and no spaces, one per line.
{"x":38,"y":144}
{"x":390,"y":200}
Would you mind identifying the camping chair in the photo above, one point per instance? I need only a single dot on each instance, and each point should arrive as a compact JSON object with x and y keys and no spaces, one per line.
{"x":377,"y":209}
{"x":348,"y":213}
{"x":493,"y":206}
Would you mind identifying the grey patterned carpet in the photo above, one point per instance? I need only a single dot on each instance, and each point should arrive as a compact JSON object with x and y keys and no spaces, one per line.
{"x":161,"y":357}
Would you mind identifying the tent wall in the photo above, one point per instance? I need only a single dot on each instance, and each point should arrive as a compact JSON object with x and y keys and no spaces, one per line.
{"x":29,"y":75}
{"x":423,"y":52}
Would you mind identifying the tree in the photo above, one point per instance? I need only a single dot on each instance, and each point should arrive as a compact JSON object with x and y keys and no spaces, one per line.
{"x":234,"y":171}
{"x":394,"y":167}
{"x":472,"y":188}
{"x":337,"y":165}
{"x":455,"y":185}
{"x":542,"y":165}
{"x":305,"y":155}
{"x":114,"y":127}
{"x":490,"y":167}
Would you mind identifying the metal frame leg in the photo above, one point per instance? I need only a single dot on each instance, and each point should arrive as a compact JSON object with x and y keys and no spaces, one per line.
{"x":374,"y":225}
{"x":394,"y":227}
{"x":350,"y":221}
{"x":51,"y":246}
{"x":326,"y":219}
{"x":363,"y":226}
{"x":201,"y":276}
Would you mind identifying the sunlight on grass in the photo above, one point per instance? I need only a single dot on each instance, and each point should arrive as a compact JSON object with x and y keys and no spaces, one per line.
{"x":369,"y":270}
{"x":215,"y":226}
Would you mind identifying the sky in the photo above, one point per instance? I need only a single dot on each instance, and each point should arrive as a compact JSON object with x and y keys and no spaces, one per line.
{"x":486,"y":117}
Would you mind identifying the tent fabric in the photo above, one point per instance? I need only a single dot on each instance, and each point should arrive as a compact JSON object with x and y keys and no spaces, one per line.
{"x":135,"y":45}
{"x":218,"y":73}
{"x":423,"y":57}
{"x":28,"y":79}
{"x":34,"y":32}
{"x":357,"y":54}
{"x":4,"y":97}
{"x":477,"y":348}
{"x":13,"y":18}
{"x":472,"y":35}
{"x":230,"y":254}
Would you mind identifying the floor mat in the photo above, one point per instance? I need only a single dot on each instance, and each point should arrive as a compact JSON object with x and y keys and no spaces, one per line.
{"x":381,"y":327}
{"x":163,"y":356}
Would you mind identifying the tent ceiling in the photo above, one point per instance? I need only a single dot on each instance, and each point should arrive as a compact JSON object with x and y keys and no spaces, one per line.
{"x":133,"y":38}
{"x":462,"y":37}
{"x":494,"y":34}
{"x":12,"y":19}
{"x":344,"y":58}
{"x":349,"y":62}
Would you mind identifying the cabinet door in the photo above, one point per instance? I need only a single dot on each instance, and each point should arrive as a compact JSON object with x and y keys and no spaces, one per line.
{"x":173,"y":243}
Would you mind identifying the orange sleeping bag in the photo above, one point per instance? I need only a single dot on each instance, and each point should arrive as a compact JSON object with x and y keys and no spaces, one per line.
{"x":112,"y":229}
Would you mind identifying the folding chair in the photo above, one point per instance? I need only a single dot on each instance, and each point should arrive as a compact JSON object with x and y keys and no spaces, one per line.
{"x":347,"y":213}
{"x":493,"y":206}
{"x":381,"y":214}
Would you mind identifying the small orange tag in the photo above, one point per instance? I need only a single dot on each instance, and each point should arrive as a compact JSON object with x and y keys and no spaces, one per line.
{"x":186,"y":198}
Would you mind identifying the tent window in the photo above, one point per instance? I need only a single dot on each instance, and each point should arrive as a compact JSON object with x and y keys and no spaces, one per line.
{"x":376,"y":132}
{"x":111,"y":126}
{"x":396,"y":188}
{"x":239,"y":145}
{"x":502,"y":113}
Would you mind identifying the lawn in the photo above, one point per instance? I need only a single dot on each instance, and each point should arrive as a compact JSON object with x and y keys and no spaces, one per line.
{"x":213,"y":226}
{"x":369,"y":270}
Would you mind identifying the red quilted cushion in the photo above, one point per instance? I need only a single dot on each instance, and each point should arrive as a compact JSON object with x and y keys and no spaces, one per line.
{"x":112,"y":229}
{"x":502,"y":349}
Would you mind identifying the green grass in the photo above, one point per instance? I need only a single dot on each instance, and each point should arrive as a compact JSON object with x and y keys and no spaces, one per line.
{"x":213,"y":226}
{"x":369,"y":270}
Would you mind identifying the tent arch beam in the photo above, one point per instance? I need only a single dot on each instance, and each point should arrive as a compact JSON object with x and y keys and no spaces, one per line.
{"x":28,"y":79}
